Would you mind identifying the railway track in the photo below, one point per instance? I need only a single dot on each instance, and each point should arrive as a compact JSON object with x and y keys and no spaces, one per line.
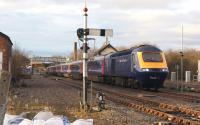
{"x":179,"y":96}
{"x":188,"y":97}
{"x":178,"y":115}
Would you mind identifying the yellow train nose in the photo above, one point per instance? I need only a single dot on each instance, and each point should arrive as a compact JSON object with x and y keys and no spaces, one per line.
{"x":151,"y":64}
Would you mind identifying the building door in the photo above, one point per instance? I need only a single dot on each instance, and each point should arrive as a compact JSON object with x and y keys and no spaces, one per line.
{"x":113,"y":66}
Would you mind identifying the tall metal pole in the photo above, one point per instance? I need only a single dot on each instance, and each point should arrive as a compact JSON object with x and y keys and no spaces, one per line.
{"x":94,"y":44}
{"x":94,"y":47}
{"x":85,"y":59}
{"x":182,"y":59}
{"x":177,"y":69}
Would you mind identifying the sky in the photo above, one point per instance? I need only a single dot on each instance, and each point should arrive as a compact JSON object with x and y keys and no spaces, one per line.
{"x":48,"y":27}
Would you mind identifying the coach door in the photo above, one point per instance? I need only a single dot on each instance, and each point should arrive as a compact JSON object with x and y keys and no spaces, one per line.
{"x":133,"y":63}
{"x":113,"y":66}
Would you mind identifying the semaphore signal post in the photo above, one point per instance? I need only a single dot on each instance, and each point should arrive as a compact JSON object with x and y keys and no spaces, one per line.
{"x":82,"y":34}
{"x":85,"y":59}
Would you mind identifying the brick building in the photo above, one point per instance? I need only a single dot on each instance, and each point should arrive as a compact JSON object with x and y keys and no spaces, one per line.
{"x":5,"y":52}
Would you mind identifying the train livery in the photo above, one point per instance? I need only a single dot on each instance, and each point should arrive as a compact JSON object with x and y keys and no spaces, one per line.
{"x":143,"y":66}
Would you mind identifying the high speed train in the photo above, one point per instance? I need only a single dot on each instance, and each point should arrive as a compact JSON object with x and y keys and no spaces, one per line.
{"x":143,"y":66}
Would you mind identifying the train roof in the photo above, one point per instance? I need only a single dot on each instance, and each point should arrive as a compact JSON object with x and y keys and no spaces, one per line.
{"x":58,"y":65}
{"x":146,"y":47}
{"x":140,"y":48}
{"x":75,"y":62}
{"x":119,"y":53}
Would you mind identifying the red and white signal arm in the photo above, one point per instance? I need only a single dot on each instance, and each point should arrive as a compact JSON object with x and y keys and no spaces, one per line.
{"x":100,"y":32}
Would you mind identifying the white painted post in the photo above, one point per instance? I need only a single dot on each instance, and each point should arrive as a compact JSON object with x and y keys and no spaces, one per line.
{"x":85,"y":59}
{"x":1,"y":60}
{"x":198,"y":70}
{"x":187,"y":76}
{"x":5,"y":78}
{"x":173,"y":76}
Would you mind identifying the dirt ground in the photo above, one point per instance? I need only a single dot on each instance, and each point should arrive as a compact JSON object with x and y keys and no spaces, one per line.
{"x":44,"y":93}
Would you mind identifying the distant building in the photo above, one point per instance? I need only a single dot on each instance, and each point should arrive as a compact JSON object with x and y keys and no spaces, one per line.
{"x":5,"y":52}
{"x":39,"y":64}
{"x":105,"y":49}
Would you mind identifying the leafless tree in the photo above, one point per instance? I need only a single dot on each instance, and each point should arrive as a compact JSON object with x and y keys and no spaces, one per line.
{"x":19,"y":59}
{"x":190,"y":60}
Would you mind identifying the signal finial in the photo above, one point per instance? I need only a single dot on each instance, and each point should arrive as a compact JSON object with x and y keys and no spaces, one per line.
{"x":85,"y":8}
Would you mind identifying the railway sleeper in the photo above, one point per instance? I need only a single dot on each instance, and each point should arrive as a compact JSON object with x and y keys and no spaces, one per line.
{"x":181,"y":109}
{"x":162,"y":123}
{"x":161,"y":114}
{"x":162,"y":105}
{"x":166,"y":116}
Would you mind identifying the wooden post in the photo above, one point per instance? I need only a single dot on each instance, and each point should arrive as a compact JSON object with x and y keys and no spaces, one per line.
{"x":5,"y":78}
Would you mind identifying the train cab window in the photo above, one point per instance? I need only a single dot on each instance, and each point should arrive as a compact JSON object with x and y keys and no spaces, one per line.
{"x":133,"y":62}
{"x":152,"y":57}
{"x":133,"y":59}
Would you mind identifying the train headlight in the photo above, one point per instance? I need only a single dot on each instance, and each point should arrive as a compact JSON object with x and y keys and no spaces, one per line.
{"x":145,"y":69}
{"x":165,"y":70}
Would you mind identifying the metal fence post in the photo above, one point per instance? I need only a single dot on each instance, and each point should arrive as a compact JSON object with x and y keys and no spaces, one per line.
{"x":5,"y":78}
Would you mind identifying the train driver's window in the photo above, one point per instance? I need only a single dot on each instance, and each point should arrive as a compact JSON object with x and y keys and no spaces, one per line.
{"x":133,"y":62}
{"x":133,"y":59}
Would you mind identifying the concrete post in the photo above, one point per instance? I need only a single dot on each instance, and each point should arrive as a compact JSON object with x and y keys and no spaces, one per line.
{"x":5,"y":78}
{"x":173,"y":76}
{"x":187,"y":76}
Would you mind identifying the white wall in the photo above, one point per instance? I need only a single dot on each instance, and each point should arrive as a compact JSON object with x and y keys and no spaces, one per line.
{"x":1,"y":60}
{"x":198,"y":70}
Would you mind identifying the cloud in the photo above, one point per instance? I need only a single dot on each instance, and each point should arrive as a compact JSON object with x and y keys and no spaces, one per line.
{"x":49,"y":26}
{"x":38,"y":7}
{"x":135,"y":4}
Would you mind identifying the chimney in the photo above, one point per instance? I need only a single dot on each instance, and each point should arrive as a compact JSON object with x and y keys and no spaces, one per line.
{"x":75,"y":51}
